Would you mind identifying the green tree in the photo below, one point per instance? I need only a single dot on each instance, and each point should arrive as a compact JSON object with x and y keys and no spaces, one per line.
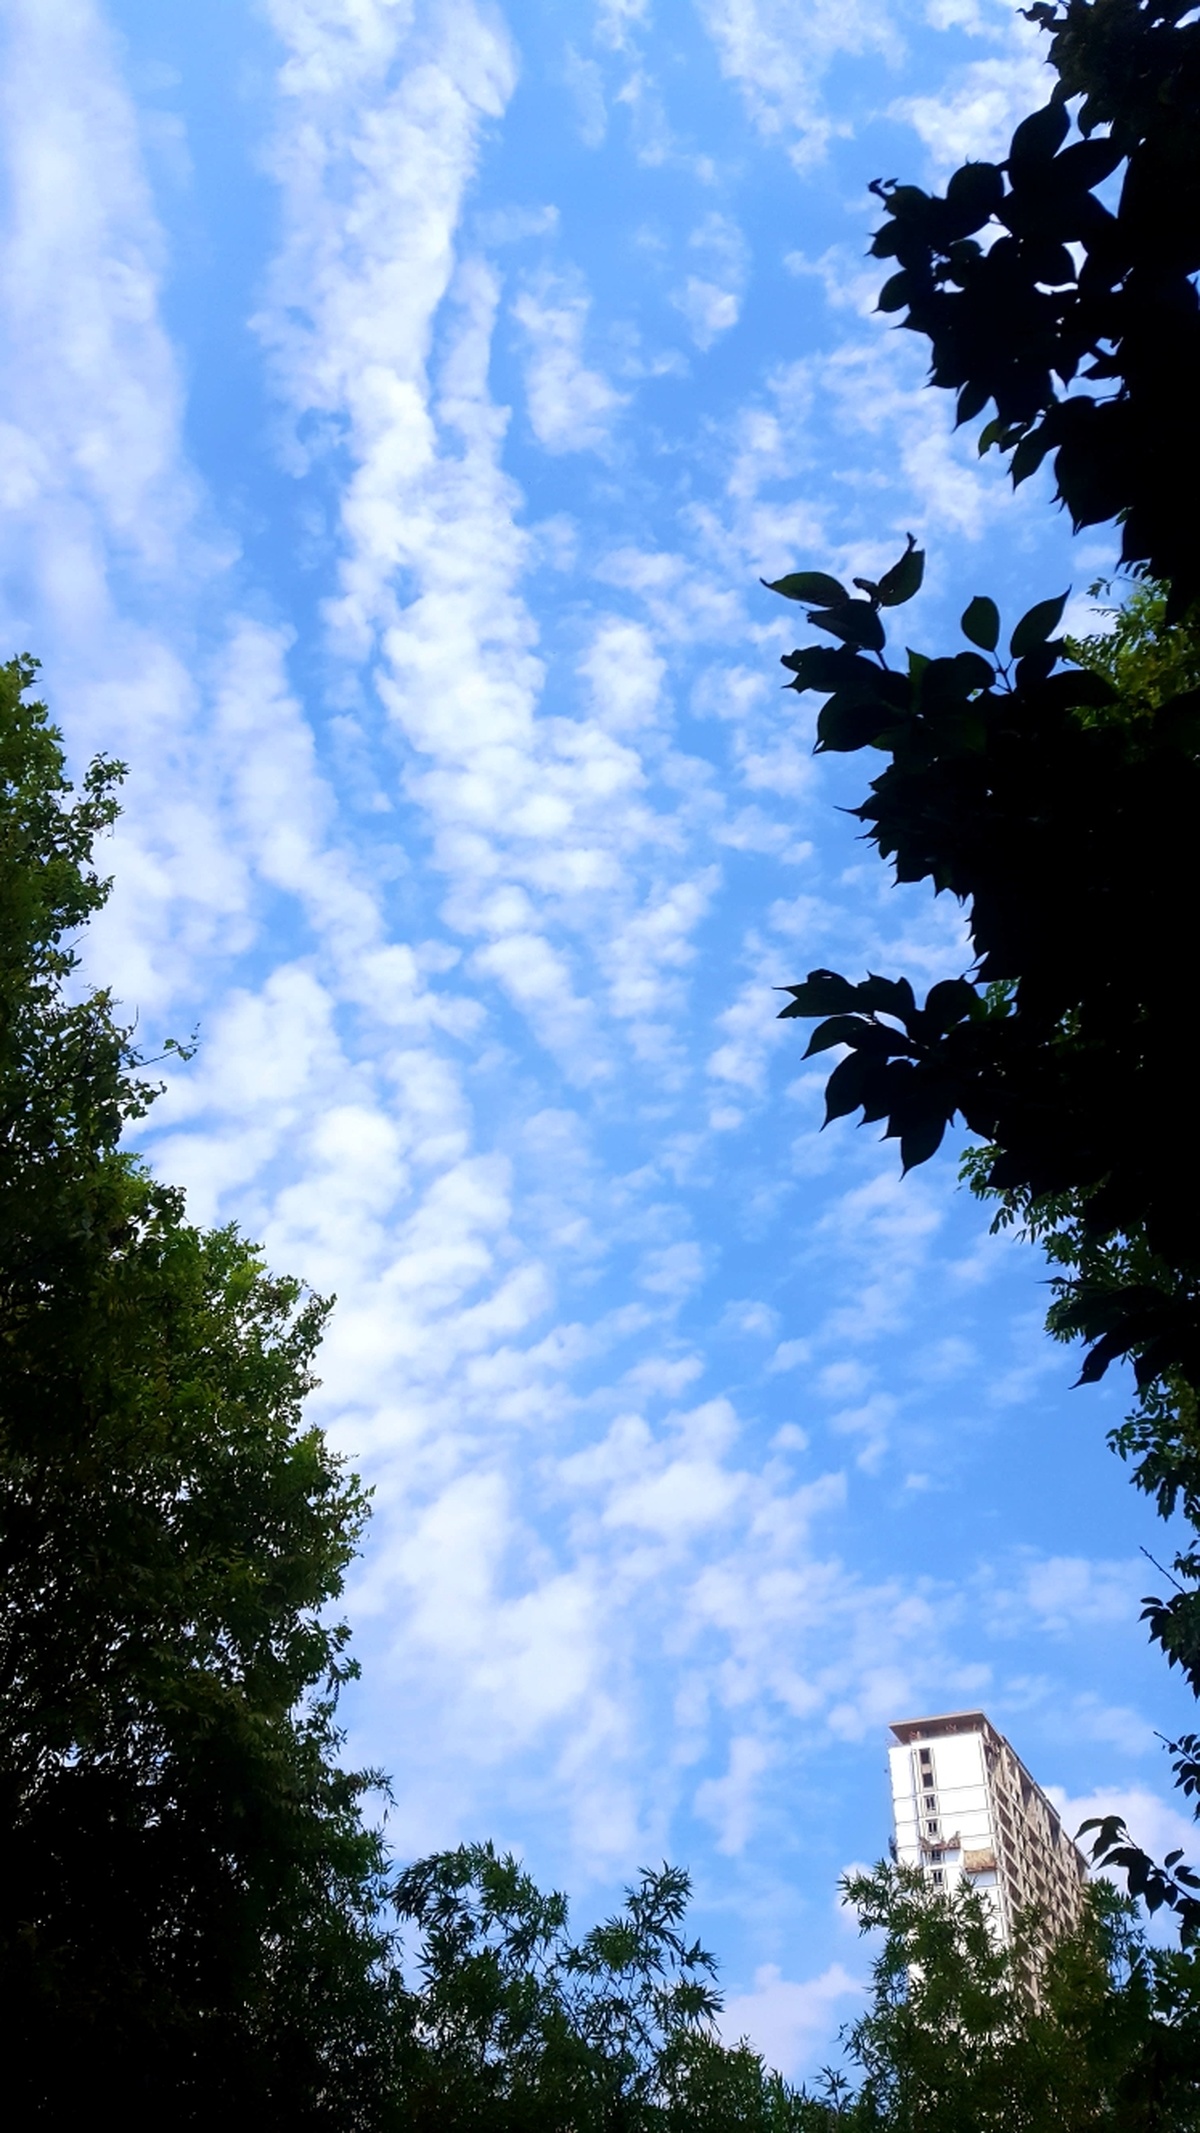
{"x":1078,"y":324}
{"x":1093,"y":2031}
{"x":1052,"y":787}
{"x":191,"y":1905}
{"x":197,"y":1925}
{"x":514,"y":2025}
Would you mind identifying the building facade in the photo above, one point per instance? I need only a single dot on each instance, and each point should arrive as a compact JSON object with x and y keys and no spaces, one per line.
{"x":964,"y":1803}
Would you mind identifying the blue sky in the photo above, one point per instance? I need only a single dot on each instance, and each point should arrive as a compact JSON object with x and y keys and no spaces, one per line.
{"x":401,"y":401}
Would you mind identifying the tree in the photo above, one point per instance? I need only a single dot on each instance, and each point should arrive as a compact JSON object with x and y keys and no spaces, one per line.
{"x":198,"y":1927}
{"x":962,"y":2034}
{"x":191,"y":1907}
{"x":1076,"y":294}
{"x":515,"y":2025}
{"x":1053,"y":788}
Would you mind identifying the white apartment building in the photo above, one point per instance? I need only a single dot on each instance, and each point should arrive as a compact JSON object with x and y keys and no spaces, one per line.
{"x":964,"y":1803}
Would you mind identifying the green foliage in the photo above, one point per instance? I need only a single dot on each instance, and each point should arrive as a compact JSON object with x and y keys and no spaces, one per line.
{"x":1055,"y":793}
{"x":1092,"y":2031}
{"x":1148,"y":661}
{"x":1015,"y":786}
{"x":516,"y":2025}
{"x":1076,"y":321}
{"x":190,"y":1909}
{"x":196,"y":1926}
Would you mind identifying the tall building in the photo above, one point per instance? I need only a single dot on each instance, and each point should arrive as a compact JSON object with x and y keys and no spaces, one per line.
{"x":964,"y":1803}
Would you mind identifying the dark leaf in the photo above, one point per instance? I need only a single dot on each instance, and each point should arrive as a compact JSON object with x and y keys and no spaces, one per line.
{"x":894,"y":294}
{"x":973,"y":195}
{"x":904,"y":578}
{"x":847,"y":723}
{"x":1029,"y":455}
{"x":950,"y":1002}
{"x":922,"y":1139}
{"x":1077,"y":686}
{"x":1034,"y":671}
{"x":844,"y":1089}
{"x":947,"y":683}
{"x":840,"y":1029}
{"x":822,"y":993}
{"x":1086,"y":164}
{"x":1037,"y":625}
{"x":854,"y":621}
{"x":981,"y":623}
{"x":886,"y":996}
{"x":811,"y":587}
{"x":822,"y":668}
{"x":993,"y":432}
{"x":1037,"y":138}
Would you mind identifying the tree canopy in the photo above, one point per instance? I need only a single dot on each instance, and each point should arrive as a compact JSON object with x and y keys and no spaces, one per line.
{"x":1052,"y":786}
{"x":190,"y":1912}
{"x":1094,"y":2030}
{"x":1077,"y":322}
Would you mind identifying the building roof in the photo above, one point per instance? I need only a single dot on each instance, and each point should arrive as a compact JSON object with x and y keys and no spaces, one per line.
{"x":907,"y":1730}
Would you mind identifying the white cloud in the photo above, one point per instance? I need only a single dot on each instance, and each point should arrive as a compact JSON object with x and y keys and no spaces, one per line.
{"x":91,"y":386}
{"x":571,"y":407}
{"x":786,"y":2019}
{"x":711,"y":301}
{"x":1063,"y":1590}
{"x":616,"y":18}
{"x":750,"y":1031}
{"x":625,"y":674}
{"x":709,"y":309}
{"x":728,"y":1802}
{"x":881,"y":1232}
{"x":976,"y":112}
{"x":586,"y":84}
{"x":1152,"y":1821}
{"x":777,"y":53}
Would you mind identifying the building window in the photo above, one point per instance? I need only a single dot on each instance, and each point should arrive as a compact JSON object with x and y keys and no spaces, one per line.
{"x":931,"y":1801}
{"x":931,"y":1829}
{"x":938,"y":1875}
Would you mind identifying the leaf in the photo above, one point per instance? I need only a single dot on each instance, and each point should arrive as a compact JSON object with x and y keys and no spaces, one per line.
{"x":1035,"y":669}
{"x":812,"y":587}
{"x":974,"y":672}
{"x":1087,"y":163}
{"x":903,"y":580}
{"x":823,"y":992}
{"x":971,"y":401}
{"x":951,"y":1001}
{"x":947,"y":683}
{"x":894,"y":293}
{"x":981,"y":623}
{"x":973,"y":195}
{"x":886,"y":996}
{"x":854,"y":621}
{"x":839,"y":1029}
{"x":918,"y":1142}
{"x":1029,"y":455}
{"x":1037,"y":625}
{"x":844,"y":1088}
{"x":822,"y":668}
{"x":847,"y":723}
{"x":1037,"y":137}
